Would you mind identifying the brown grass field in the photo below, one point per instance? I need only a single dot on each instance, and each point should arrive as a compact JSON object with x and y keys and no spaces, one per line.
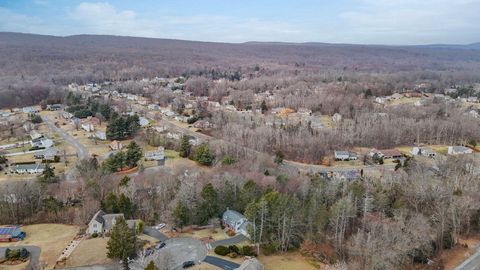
{"x":51,"y":238}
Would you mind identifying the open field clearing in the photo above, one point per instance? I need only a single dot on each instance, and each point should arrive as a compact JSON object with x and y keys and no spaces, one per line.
{"x":216,"y":234}
{"x":51,"y":238}
{"x":89,"y":252}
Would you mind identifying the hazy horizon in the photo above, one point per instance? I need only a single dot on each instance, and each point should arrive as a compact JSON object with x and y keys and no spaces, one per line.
{"x":392,"y":22}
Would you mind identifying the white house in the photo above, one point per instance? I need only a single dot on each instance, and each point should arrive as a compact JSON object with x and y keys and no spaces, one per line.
{"x":459,"y":150}
{"x":337,"y":117}
{"x":423,"y":151}
{"x":41,"y":142}
{"x":157,"y":155}
{"x":28,"y":168}
{"x":235,"y":221}
{"x":345,"y":155}
{"x":143,"y":121}
{"x":30,"y":110}
{"x":103,"y":222}
{"x":101,"y":135}
{"x":88,"y":127}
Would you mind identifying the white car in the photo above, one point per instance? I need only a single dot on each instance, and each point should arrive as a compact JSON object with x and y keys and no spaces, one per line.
{"x":160,"y":226}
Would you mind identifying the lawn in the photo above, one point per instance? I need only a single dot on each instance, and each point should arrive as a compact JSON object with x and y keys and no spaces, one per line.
{"x":216,"y":234}
{"x":287,"y":261}
{"x":89,"y":252}
{"x":51,"y":238}
{"x":441,"y":149}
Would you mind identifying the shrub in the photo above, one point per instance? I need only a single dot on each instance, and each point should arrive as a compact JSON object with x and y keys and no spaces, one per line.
{"x":234,"y":248}
{"x":94,"y":235}
{"x":232,"y":255}
{"x":222,"y":250}
{"x":248,"y":251}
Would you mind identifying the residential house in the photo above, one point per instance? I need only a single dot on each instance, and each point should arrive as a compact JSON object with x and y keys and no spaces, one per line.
{"x":28,"y":126}
{"x":35,"y":135}
{"x":33,"y":168}
{"x":345,"y":155}
{"x":387,"y":153}
{"x":251,"y":264}
{"x":159,"y":129}
{"x":41,"y":142}
{"x":473,"y":99}
{"x":336,"y":118}
{"x":236,"y":222}
{"x":103,"y":223}
{"x":175,"y":136}
{"x":54,"y":107}
{"x":181,"y":118}
{"x":116,"y":145}
{"x":304,"y":111}
{"x":11,"y":233}
{"x":203,"y":124}
{"x":47,"y":154}
{"x":381,"y":100}
{"x":101,"y":135}
{"x":396,"y":96}
{"x":423,"y":151}
{"x":30,"y":110}
{"x":89,"y":123}
{"x":413,"y":94}
{"x":143,"y":101}
{"x":459,"y":150}
{"x":153,"y":107}
{"x":472,"y":113}
{"x":75,"y":121}
{"x":5,"y":113}
{"x":158,"y":155}
{"x":67,"y":115}
{"x":143,"y":121}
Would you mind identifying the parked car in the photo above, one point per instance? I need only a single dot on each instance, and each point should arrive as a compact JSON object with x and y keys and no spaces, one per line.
{"x":160,"y":226}
{"x":160,"y":245}
{"x":188,"y":264}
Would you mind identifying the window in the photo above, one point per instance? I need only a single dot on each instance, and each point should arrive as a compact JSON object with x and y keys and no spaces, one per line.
{"x":95,"y":225}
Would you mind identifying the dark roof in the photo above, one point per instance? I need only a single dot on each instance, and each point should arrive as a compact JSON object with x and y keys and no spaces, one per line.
{"x":99,"y":216}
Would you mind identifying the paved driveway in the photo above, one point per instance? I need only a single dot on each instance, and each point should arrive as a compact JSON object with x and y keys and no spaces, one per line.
{"x":34,"y":253}
{"x":221,"y":263}
{"x":174,"y":254}
{"x":229,"y":241}
{"x":150,"y":231}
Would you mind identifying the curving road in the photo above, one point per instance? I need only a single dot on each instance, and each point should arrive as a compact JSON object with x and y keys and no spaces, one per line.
{"x":472,"y":263}
{"x":82,"y":151}
{"x":34,"y":255}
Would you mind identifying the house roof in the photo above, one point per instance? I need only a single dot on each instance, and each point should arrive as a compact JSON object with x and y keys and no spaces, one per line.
{"x":460,"y":148}
{"x":390,"y":152}
{"x":99,"y":217}
{"x":251,"y":264}
{"x":232,"y":216}
{"x":33,"y":166}
{"x":10,"y":231}
{"x":109,"y":220}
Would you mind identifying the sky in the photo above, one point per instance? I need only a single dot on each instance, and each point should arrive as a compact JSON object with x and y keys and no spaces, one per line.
{"x":390,"y":22}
